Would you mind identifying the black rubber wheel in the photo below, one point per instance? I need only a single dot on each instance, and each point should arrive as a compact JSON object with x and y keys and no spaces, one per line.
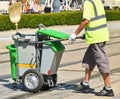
{"x":32,"y":80}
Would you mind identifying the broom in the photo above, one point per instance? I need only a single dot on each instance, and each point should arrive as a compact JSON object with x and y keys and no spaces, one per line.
{"x":15,"y":13}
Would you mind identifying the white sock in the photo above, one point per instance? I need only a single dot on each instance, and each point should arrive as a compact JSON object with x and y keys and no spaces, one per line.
{"x":85,"y":83}
{"x":108,"y":88}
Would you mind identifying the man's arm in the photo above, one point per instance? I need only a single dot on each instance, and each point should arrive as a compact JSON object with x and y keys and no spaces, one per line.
{"x":78,"y":30}
{"x":81,"y":26}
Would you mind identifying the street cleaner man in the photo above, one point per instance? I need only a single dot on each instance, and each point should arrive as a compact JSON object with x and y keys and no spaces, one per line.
{"x":96,"y":35}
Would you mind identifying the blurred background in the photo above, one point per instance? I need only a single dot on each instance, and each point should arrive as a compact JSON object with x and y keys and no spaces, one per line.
{"x":47,"y":6}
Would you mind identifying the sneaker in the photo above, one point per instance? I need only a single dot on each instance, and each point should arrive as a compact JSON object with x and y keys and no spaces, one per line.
{"x":82,"y":88}
{"x":105,"y":92}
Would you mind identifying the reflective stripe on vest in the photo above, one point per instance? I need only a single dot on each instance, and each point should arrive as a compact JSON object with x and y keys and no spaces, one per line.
{"x":96,"y":18}
{"x":96,"y":28}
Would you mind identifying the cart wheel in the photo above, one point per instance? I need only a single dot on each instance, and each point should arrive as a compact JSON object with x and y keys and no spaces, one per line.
{"x":32,"y":80}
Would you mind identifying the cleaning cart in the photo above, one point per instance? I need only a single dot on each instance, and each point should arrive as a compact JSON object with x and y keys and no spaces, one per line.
{"x":35,"y":58}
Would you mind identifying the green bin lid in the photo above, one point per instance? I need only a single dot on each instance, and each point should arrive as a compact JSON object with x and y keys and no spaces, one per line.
{"x":53,"y":33}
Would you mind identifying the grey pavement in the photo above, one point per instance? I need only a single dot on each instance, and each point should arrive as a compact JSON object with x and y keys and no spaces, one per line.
{"x":70,"y":74}
{"x":6,"y":36}
{"x":69,"y":29}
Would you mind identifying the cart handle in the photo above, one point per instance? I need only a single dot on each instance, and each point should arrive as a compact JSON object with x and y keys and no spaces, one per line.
{"x":81,"y":37}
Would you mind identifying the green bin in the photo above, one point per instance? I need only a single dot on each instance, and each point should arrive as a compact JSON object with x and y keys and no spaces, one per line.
{"x":13,"y":60}
{"x":52,"y":51}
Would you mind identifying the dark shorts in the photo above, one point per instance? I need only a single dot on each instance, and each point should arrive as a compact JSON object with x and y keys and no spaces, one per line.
{"x":95,"y":55}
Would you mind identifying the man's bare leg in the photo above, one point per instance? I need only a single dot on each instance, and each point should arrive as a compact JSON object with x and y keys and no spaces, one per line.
{"x":87,"y":75}
{"x":106,"y":79}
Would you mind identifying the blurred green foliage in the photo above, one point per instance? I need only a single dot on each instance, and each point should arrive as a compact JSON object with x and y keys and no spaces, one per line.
{"x":51,"y":19}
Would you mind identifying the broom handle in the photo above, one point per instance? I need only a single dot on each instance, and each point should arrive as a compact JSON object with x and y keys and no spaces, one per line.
{"x":16,"y":24}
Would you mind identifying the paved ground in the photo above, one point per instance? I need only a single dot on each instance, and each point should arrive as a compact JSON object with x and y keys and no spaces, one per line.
{"x":71,"y":72}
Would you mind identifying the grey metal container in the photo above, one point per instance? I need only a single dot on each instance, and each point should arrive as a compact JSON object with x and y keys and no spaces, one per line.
{"x":50,"y":60}
{"x":26,"y":53}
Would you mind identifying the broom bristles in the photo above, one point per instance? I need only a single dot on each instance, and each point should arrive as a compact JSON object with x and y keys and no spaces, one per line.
{"x":15,"y":8}
{"x":15,"y":11}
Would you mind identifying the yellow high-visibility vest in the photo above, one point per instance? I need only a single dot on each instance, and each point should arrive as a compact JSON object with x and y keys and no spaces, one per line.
{"x":96,"y":31}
